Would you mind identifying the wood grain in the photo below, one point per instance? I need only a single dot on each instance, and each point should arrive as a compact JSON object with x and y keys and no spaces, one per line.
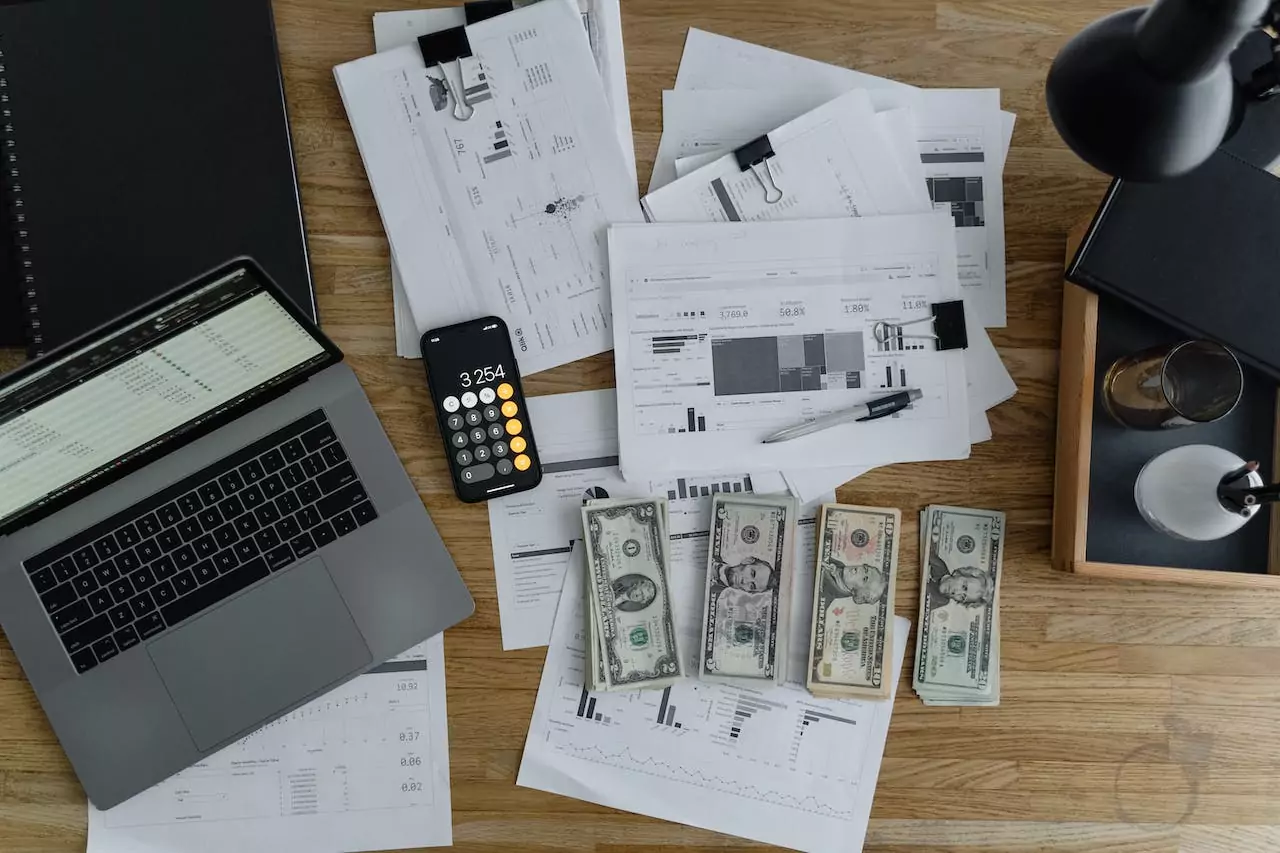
{"x":1137,"y":718}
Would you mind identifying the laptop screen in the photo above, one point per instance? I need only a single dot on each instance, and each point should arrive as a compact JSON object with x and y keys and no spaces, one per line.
{"x":100,"y":405}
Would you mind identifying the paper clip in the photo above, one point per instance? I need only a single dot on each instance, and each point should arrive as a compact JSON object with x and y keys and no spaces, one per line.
{"x":441,"y":49}
{"x":946,"y":319}
{"x":754,"y":155}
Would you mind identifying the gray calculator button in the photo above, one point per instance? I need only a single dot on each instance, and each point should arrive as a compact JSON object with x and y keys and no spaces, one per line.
{"x":459,"y":439}
{"x":505,"y":467}
{"x":500,"y":449}
{"x":491,"y":413}
{"x":463,"y":457}
{"x":473,"y":418}
{"x":476,"y":473}
{"x":482,"y":454}
{"x":477,"y":436}
{"x":495,"y":431}
{"x":454,"y":422}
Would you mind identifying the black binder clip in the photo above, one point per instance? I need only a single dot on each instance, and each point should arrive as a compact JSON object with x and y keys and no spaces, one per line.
{"x":754,"y":155}
{"x":482,"y":10}
{"x":445,"y":47}
{"x":947,"y":320}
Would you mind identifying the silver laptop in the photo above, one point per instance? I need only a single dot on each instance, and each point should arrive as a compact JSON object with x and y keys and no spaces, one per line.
{"x":202,"y":527}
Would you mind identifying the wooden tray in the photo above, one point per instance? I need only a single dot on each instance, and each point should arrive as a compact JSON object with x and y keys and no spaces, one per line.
{"x":1096,"y":526}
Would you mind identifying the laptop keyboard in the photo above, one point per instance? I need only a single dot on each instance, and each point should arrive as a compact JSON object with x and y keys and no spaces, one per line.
{"x":196,"y":543}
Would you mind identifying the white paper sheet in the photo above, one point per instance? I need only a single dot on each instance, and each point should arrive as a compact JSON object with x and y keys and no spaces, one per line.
{"x":774,"y":765}
{"x":533,"y":532}
{"x":832,"y":161}
{"x":365,"y":767}
{"x":711,"y":357}
{"x":503,"y":213}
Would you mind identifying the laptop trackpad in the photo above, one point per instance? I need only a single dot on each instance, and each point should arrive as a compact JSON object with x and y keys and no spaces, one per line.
{"x":237,"y":667}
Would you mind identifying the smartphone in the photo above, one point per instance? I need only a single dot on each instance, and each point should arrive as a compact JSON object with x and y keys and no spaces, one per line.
{"x":480,"y":405}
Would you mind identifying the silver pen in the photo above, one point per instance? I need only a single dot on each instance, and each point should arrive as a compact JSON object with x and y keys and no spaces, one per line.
{"x":879,"y":408}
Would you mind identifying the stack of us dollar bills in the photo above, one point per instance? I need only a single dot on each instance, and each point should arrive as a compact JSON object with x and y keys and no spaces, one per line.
{"x":852,"y":630}
{"x":958,"y":650}
{"x":750,"y":566}
{"x":630,"y":617}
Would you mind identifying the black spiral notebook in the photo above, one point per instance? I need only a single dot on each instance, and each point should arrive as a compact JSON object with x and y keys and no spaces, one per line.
{"x":143,"y":142}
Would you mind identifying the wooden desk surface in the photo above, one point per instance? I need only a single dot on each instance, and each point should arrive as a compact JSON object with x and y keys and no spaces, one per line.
{"x":1134,"y":718}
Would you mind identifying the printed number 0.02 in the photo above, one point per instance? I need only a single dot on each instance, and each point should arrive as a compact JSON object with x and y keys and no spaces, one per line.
{"x":411,"y":785}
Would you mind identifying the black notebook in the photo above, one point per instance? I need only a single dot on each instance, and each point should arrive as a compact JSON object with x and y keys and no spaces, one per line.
{"x":145,"y":142}
{"x":1200,"y":252}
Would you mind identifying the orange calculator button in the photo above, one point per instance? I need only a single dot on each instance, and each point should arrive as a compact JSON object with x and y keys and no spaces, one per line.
{"x":510,"y":408}
{"x":523,"y":462}
{"x":505,"y":390}
{"x":518,"y":444}
{"x":514,"y":427}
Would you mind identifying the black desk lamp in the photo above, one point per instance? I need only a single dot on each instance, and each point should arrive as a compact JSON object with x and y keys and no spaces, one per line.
{"x":1147,"y":93}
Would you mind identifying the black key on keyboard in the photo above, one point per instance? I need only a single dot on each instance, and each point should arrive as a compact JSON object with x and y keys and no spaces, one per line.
{"x":343,"y":499}
{"x":106,"y":547}
{"x":279,"y":557}
{"x":86,"y":558}
{"x":128,"y":536}
{"x":64,"y":569}
{"x":169,"y":514}
{"x":210,"y":519}
{"x":190,"y":530}
{"x":190,"y":504}
{"x":267,"y":513}
{"x":267,"y":538}
{"x":288,"y":503}
{"x":330,"y":481}
{"x":99,"y":600}
{"x":226,"y":536}
{"x":365,"y":512}
{"x":273,"y":487}
{"x":272,"y":461}
{"x":150,"y":625}
{"x":121,"y":591}
{"x":210,"y":493}
{"x":69,"y":617}
{"x":84,"y":661}
{"x":205,"y":572}
{"x":165,"y":567}
{"x":231,"y":482}
{"x":302,"y":545}
{"x":313,"y":465}
{"x":107,"y":572}
{"x":308,"y":493}
{"x":143,"y":578}
{"x":246,"y":550}
{"x":58,"y":597}
{"x":149,"y":550}
{"x":127,"y":638}
{"x":231,"y":507}
{"x":318,"y":438}
{"x":288,"y":528}
{"x":344,"y":523}
{"x":323,"y":534}
{"x":163,"y":593}
{"x":252,"y":471}
{"x":84,"y":584}
{"x":334,"y":455}
{"x":86,"y":634}
{"x":252,"y":496}
{"x":127,"y":562}
{"x":225,"y":561}
{"x":185,"y":557}
{"x":120,"y":615}
{"x":206,"y":546}
{"x":105,"y":649}
{"x":309,"y":517}
{"x":247,"y":524}
{"x":293,"y":450}
{"x":142,"y":604}
{"x":169,"y":540}
{"x":293,"y":476}
{"x":148,"y":525}
{"x":184,"y":583}
{"x":211,"y":593}
{"x":43,"y":580}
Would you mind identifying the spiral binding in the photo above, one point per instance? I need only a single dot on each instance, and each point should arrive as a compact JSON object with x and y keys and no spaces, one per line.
{"x":20,"y":230}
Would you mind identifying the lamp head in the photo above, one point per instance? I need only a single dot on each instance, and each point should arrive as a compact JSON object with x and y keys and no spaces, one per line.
{"x":1147,"y":93}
